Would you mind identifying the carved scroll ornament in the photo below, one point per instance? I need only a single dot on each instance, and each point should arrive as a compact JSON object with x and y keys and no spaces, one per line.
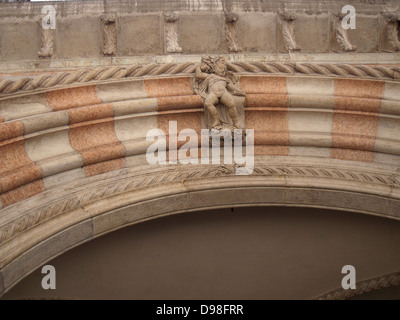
{"x":390,"y":37}
{"x":171,"y":32}
{"x":109,"y":28}
{"x":287,"y":28}
{"x":230,"y":32}
{"x":341,"y":36}
{"x":46,"y":37}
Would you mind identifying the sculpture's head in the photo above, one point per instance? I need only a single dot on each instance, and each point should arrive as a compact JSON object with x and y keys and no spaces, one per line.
{"x":215,"y":65}
{"x":220,"y":68}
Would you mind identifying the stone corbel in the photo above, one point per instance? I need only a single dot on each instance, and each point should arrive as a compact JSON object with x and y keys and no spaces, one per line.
{"x":171,"y":32}
{"x":46,"y":36}
{"x":390,"y":41}
{"x":341,"y":42}
{"x":230,"y":31}
{"x":110,"y":34}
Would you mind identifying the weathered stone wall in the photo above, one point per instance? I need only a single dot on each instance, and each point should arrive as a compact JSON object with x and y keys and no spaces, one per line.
{"x":200,"y":27}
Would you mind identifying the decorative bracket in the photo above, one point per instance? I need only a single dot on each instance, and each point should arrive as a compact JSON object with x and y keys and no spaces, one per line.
{"x":171,"y":32}
{"x":110,"y":33}
{"x":390,"y":41}
{"x":230,"y":31}
{"x":342,"y":42}
{"x":46,"y":36}
{"x":287,"y":28}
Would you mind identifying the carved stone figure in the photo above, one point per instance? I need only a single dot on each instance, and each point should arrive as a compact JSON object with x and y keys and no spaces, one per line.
{"x":287,"y":28}
{"x":390,"y":37}
{"x":109,"y":26}
{"x":342,"y":39}
{"x":217,"y":86}
{"x":171,"y":32}
{"x":46,"y":35}
{"x":230,"y":31}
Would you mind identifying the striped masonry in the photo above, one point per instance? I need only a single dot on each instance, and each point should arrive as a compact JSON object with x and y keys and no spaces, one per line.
{"x":176,"y":102}
{"x":52,"y":138}
{"x":93,"y":128}
{"x":387,"y":145}
{"x":310,"y":116}
{"x":356,"y":119}
{"x":267,"y":103}
{"x":19,"y":176}
{"x":26,"y":106}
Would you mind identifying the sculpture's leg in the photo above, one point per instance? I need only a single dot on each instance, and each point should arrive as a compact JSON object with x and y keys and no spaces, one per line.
{"x":209,"y":104}
{"x":228,"y":101}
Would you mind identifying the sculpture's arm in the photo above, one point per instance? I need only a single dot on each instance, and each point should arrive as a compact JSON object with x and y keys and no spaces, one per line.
{"x":199,"y":74}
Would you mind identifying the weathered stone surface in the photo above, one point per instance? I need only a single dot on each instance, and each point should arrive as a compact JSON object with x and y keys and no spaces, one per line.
{"x":19,"y":39}
{"x":200,"y":33}
{"x":62,"y":178}
{"x":366,"y":34}
{"x":139,"y":212}
{"x":139,"y":35}
{"x":312,"y":32}
{"x":348,"y":201}
{"x":76,"y":30}
{"x":257,"y":32}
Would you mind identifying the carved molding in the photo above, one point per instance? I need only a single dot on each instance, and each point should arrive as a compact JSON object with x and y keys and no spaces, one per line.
{"x":365,"y":286}
{"x":47,"y":41}
{"x":230,"y":32}
{"x":341,"y":35}
{"x":171,"y":32}
{"x":123,"y":182}
{"x":390,"y":41}
{"x":287,"y":29}
{"x":83,"y":76}
{"x":110,"y":34}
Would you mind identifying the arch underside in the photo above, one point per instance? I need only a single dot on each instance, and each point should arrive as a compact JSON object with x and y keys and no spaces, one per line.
{"x":75,"y":164}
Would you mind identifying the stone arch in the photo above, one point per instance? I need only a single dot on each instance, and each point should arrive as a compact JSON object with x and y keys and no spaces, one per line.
{"x":75,"y":166}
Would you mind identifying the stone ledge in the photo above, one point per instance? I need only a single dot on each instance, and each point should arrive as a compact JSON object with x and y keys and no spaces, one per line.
{"x":11,"y":69}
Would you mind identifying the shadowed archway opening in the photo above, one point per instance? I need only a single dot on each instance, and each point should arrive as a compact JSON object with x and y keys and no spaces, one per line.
{"x":231,"y":253}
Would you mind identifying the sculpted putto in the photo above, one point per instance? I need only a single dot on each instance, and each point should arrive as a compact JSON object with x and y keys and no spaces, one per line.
{"x":216,"y":86}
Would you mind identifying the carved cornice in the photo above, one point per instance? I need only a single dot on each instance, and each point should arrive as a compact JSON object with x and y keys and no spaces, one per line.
{"x":97,"y":75}
{"x":124,"y":182}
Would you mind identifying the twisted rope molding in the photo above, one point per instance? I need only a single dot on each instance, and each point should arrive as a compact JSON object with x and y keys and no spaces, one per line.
{"x":46,"y":81}
{"x":376,"y":283}
{"x":35,"y":216}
